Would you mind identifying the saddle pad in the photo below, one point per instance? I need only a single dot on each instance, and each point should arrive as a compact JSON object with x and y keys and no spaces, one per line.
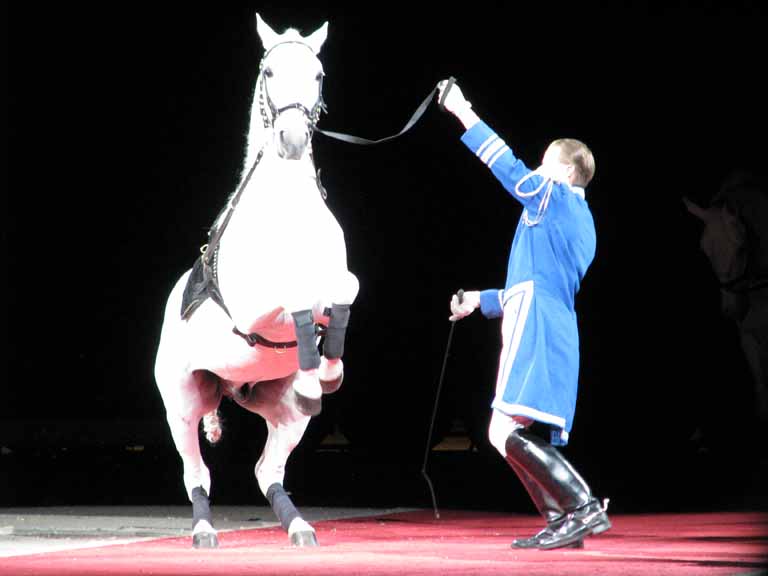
{"x":201,"y":284}
{"x":196,"y":290}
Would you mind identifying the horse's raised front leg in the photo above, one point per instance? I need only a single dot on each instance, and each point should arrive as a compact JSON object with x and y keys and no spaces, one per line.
{"x":331,"y":371}
{"x":306,"y":385}
{"x":186,"y":401}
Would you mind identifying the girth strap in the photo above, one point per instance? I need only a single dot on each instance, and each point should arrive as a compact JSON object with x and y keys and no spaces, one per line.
{"x":253,"y":339}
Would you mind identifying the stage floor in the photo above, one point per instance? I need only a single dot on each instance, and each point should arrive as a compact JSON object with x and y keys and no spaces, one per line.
{"x":25,"y":531}
{"x":155,"y":540}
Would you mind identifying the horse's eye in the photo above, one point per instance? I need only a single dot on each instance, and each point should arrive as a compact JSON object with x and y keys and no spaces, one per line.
{"x":268,"y":72}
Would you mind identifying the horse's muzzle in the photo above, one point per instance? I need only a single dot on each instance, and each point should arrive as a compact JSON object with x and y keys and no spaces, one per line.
{"x":291,"y":144}
{"x":292,"y":133}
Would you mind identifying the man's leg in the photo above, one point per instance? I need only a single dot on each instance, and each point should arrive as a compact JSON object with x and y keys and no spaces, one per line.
{"x":558,"y":491}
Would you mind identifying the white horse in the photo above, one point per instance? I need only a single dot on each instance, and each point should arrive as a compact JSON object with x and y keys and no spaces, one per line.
{"x":247,"y":321}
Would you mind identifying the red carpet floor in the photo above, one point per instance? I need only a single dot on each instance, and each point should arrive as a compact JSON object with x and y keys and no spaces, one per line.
{"x":459,"y":542}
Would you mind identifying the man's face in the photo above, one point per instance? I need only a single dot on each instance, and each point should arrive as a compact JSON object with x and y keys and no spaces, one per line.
{"x":554,"y":167}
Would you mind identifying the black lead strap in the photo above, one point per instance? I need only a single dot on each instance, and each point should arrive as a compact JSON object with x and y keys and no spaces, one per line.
{"x":414,"y":118}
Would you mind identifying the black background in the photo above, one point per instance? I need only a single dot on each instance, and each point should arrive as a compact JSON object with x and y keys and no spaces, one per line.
{"x":126,"y":127}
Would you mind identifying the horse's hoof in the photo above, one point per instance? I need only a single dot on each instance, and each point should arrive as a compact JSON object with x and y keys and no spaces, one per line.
{"x":205,"y":540}
{"x":330,"y":386}
{"x":308,"y":406}
{"x":304,"y":538}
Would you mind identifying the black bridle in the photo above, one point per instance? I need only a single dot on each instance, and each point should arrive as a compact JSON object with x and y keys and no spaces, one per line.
{"x":266,"y":103}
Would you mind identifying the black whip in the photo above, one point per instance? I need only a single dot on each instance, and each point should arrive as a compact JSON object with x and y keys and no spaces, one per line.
{"x":460,"y":294}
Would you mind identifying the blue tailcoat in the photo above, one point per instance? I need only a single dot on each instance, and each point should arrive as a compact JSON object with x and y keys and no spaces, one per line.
{"x":539,"y":363}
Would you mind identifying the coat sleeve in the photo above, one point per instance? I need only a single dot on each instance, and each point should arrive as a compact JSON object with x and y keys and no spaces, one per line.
{"x":505,"y":166}
{"x":490,"y":303}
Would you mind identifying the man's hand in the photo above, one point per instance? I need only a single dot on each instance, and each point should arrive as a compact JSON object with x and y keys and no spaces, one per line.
{"x":454,"y":100}
{"x":470,"y":301}
{"x":457,"y":104}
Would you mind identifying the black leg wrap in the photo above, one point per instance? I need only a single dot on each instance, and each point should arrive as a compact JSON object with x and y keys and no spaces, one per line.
{"x":333,"y":346}
{"x":201,"y":510}
{"x":309,"y":357}
{"x":201,"y":507}
{"x":281,"y":505}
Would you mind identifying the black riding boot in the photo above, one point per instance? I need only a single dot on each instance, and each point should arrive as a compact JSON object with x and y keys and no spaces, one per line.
{"x":555,"y":476}
{"x":547,"y":507}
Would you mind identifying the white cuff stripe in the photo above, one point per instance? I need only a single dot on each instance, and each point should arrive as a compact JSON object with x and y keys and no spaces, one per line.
{"x":496,"y":156}
{"x":488,"y":141}
{"x":492,"y":149}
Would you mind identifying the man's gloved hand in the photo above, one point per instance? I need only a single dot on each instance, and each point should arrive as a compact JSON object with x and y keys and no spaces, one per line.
{"x":470,"y":301}
{"x":456,"y":104}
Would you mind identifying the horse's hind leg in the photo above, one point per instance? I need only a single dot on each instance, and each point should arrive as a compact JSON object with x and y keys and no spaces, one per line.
{"x":286,"y":424}
{"x":186,"y":401}
{"x":270,"y":471}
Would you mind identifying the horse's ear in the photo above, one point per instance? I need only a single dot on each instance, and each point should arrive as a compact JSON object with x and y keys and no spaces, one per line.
{"x":268,"y":36}
{"x":316,"y":39}
{"x":695,"y":209}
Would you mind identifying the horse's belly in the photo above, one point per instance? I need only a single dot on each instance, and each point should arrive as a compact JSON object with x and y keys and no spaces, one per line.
{"x":262,"y":364}
{"x":214,"y":346}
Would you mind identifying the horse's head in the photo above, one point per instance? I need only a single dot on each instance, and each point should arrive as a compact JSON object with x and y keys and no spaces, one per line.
{"x":723,"y":239}
{"x":289,"y":86}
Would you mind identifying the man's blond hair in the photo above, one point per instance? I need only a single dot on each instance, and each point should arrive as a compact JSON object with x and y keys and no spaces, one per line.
{"x":577,"y":153}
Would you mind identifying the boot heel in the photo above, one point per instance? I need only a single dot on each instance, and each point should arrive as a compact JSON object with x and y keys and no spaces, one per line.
{"x":601,"y":527}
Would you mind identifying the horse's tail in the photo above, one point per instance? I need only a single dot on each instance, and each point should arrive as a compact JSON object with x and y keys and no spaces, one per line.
{"x":212,"y":426}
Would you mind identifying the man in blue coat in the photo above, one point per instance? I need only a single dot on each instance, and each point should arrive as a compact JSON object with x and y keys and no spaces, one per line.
{"x":554,"y":245}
